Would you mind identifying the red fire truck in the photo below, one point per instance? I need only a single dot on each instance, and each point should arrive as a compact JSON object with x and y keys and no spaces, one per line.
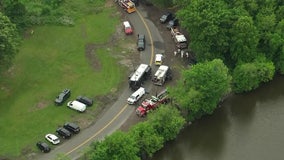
{"x":151,"y":104}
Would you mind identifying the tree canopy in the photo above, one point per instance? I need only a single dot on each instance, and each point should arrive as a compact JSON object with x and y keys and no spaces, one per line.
{"x":9,"y":41}
{"x":235,"y":31}
{"x":201,"y":88}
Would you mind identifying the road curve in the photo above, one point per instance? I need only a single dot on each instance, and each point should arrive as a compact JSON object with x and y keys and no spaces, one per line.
{"x":119,"y":112}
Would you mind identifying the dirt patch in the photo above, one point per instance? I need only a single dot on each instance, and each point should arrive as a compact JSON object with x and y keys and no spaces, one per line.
{"x":91,"y":56}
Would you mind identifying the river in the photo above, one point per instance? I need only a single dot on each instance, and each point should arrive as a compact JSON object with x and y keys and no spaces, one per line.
{"x":247,"y":127}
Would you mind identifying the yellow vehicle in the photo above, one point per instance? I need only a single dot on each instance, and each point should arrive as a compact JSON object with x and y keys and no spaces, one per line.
{"x":127,"y":5}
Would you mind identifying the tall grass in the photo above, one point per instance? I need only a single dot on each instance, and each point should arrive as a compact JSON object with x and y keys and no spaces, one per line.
{"x":52,"y":59}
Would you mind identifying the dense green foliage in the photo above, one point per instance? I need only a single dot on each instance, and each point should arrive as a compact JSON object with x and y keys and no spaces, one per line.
{"x":142,"y":140}
{"x":117,"y":146}
{"x":148,"y":140}
{"x":201,"y":88}
{"x":9,"y":41}
{"x":167,"y":122}
{"x":235,"y":31}
{"x":248,"y":76}
{"x":26,"y":13}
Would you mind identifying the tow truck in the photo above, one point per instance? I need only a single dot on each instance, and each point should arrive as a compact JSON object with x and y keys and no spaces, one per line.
{"x":152,"y":103}
{"x":127,"y":5}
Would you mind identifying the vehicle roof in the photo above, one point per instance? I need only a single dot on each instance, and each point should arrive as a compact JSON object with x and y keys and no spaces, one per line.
{"x":139,"y":72}
{"x":180,"y":38}
{"x":159,"y":57}
{"x":141,"y":89}
{"x":126,"y":24}
{"x":161,"y":71}
{"x":141,"y":36}
{"x":52,"y":136}
{"x":72,"y":124}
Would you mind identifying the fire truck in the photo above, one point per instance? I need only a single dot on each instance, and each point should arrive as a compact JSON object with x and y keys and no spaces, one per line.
{"x":139,"y":76}
{"x":162,"y":74}
{"x":127,"y":5}
{"x":151,"y":104}
{"x":179,"y":38}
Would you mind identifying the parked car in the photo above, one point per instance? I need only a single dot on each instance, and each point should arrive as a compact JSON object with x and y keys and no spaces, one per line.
{"x":87,"y":101}
{"x":159,"y":59}
{"x":141,"y":42}
{"x":127,"y":28}
{"x":43,"y":147}
{"x":166,"y":17}
{"x":62,"y":97}
{"x":134,"y":98}
{"x":76,"y":105}
{"x":72,"y":127}
{"x":52,"y":138}
{"x":173,"y":23}
{"x":64,"y":133}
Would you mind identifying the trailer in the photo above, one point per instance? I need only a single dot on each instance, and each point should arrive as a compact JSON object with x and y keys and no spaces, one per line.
{"x":179,"y":38}
{"x":136,"y":78}
{"x":162,"y":75}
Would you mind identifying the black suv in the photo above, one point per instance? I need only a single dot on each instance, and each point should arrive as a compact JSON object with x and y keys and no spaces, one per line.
{"x":72,"y":127}
{"x":43,"y":147}
{"x":173,"y":23}
{"x":166,"y":17}
{"x":63,"y":96}
{"x":141,"y":42}
{"x":64,"y":133}
{"x":87,"y":101}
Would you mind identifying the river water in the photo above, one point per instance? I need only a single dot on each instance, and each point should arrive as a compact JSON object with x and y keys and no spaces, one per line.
{"x":246,"y":127}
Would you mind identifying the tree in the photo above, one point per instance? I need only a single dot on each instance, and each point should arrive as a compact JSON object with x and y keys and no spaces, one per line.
{"x":244,"y":40}
{"x":276,"y":46}
{"x":167,"y":122}
{"x":9,"y":41}
{"x":208,"y":24}
{"x":148,"y":140}
{"x":248,"y":76}
{"x":117,"y":146}
{"x":201,"y":88}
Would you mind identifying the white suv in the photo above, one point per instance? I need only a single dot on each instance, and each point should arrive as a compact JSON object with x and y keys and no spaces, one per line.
{"x":52,"y":138}
{"x":76,"y":105}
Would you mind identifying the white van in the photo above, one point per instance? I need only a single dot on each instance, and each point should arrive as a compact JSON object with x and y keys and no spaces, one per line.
{"x":136,"y":96}
{"x":76,"y":105}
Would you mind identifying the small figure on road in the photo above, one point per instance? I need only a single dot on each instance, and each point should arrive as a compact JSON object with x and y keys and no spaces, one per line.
{"x":175,"y":53}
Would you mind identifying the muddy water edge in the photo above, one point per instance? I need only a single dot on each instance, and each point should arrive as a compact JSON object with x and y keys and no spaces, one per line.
{"x":247,"y":127}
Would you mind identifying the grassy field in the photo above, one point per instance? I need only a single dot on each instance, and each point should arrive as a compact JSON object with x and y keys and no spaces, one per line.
{"x":51,"y":59}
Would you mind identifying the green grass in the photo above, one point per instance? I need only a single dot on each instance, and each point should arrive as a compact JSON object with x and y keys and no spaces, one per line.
{"x":52,"y":59}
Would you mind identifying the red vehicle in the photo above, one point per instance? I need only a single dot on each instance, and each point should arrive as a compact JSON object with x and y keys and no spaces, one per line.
{"x":127,"y":28}
{"x":151,"y":104}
